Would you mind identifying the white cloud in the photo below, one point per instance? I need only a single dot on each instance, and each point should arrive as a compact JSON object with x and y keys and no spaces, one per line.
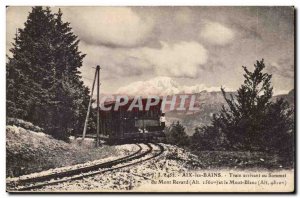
{"x":216,"y":33}
{"x":117,"y":62}
{"x":177,"y":60}
{"x":173,"y":25}
{"x":118,"y":26}
{"x":180,"y":59}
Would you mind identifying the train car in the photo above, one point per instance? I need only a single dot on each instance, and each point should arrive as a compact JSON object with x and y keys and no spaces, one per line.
{"x":134,"y":125}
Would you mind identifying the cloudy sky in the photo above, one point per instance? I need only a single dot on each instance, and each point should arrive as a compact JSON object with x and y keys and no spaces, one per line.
{"x":193,"y":45}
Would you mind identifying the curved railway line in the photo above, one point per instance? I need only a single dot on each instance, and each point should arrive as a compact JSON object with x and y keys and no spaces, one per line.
{"x":55,"y":178}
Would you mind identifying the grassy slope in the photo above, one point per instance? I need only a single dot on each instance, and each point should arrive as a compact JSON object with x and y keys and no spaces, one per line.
{"x":28,"y":152}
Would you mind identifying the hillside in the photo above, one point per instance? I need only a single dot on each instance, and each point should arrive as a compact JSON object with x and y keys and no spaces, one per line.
{"x":290,"y":97}
{"x":209,"y":103}
{"x":29,"y":151}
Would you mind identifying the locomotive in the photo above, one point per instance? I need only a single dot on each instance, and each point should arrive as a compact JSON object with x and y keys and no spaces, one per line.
{"x":127,"y":125}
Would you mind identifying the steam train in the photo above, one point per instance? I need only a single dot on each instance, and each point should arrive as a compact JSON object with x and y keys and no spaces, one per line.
{"x":127,"y":125}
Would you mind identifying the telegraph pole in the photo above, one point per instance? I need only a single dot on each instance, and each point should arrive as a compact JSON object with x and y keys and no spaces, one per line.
{"x":89,"y":107}
{"x":97,"y":76}
{"x":98,"y":109}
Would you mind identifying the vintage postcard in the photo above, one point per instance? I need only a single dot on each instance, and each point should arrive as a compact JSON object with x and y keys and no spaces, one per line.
{"x":150,"y":99}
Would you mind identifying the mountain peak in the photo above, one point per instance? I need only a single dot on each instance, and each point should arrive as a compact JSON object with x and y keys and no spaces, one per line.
{"x":162,"y":86}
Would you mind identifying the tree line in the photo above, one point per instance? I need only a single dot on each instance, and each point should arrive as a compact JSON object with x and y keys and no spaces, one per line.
{"x":44,"y":85}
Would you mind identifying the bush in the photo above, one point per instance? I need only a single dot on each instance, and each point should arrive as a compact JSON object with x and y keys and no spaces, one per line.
{"x":207,"y":138}
{"x":23,"y":124}
{"x":176,"y":135}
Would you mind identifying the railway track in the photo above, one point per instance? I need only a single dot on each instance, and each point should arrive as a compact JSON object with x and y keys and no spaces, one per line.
{"x":135,"y":158}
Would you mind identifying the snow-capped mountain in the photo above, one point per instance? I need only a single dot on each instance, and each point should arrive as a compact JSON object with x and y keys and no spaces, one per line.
{"x":162,"y":86}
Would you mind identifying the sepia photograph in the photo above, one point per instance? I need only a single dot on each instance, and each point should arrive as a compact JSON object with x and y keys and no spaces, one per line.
{"x":155,"y":99}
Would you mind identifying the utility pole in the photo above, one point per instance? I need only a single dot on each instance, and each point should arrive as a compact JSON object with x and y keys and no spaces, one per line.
{"x":97,"y":76}
{"x":98,"y":109}
{"x":89,"y":107}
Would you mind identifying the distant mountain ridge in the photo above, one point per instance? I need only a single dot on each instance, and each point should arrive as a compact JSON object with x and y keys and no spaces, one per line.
{"x":208,"y":99}
{"x":290,"y":97}
{"x":210,"y":103}
{"x":162,"y":86}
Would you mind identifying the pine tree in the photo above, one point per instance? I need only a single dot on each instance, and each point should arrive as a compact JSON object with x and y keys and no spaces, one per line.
{"x":278,"y":131}
{"x":43,"y":82}
{"x":251,"y":121}
{"x":71,"y":96}
{"x":176,"y":135}
{"x":28,"y":71}
{"x":243,"y":119}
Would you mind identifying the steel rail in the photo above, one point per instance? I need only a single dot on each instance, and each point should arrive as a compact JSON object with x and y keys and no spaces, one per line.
{"x":81,"y":176}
